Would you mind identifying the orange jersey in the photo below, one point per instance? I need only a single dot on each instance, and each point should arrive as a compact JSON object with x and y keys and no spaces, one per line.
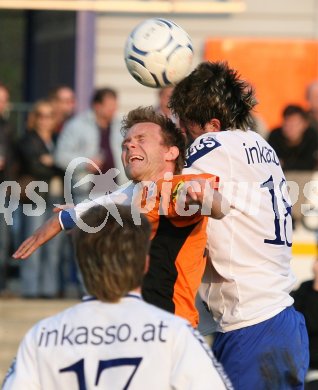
{"x":177,"y":254}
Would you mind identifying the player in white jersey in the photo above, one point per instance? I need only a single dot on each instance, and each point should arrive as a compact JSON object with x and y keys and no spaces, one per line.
{"x":247,"y":283}
{"x":114,"y":339}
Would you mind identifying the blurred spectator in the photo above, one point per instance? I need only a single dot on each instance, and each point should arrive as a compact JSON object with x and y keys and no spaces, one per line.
{"x":259,"y":126}
{"x":163,"y":100}
{"x":95,"y":135}
{"x":6,"y":138}
{"x":39,"y":275}
{"x":295,"y":142}
{"x":6,"y":173}
{"x":63,"y":100}
{"x":312,"y":100}
{"x":64,"y":104}
{"x":306,"y":301}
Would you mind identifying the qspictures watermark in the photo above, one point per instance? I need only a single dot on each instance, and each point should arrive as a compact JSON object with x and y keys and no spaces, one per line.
{"x":242,"y":197}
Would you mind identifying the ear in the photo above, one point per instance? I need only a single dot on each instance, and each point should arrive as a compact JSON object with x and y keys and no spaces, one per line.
{"x":172,"y":153}
{"x":213,"y":126}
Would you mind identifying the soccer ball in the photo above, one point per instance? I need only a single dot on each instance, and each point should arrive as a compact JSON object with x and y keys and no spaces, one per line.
{"x":158,"y":53}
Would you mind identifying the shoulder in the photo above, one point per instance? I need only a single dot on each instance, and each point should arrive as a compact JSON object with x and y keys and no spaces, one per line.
{"x":29,"y":139}
{"x":84,"y":118}
{"x":307,"y":285}
{"x":217,"y":144}
{"x":201,"y":147}
{"x":171,"y":320}
{"x":275,"y":134}
{"x":311,"y":134}
{"x":116,"y":122}
{"x":56,"y":320}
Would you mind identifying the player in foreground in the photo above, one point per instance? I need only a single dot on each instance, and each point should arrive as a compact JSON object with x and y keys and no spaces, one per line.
{"x":113,"y":339}
{"x":262,"y":341}
{"x":154,"y":149}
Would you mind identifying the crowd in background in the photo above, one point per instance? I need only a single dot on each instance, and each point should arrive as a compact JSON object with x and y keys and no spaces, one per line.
{"x":55,"y":135}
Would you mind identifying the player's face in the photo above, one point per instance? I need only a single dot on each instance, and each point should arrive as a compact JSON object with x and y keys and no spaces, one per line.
{"x":294,"y":127}
{"x":144,"y":155}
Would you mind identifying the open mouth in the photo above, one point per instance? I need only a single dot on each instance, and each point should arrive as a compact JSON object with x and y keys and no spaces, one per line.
{"x":135,"y":158}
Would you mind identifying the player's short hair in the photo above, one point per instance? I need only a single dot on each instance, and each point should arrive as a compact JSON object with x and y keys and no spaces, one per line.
{"x":112,"y":260}
{"x":213,"y":90}
{"x":172,"y":135}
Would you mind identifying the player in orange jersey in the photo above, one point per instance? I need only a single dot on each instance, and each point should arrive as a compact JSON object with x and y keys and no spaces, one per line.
{"x":152,"y":150}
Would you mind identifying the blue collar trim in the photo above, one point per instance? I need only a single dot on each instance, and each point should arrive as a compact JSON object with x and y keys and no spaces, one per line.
{"x":88,"y":298}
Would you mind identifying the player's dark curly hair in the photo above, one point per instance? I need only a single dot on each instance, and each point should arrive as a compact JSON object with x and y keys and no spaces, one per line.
{"x":213,"y":90}
{"x":172,"y":135}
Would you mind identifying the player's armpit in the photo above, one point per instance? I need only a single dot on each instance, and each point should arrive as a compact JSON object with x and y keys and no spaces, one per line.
{"x":45,"y":233}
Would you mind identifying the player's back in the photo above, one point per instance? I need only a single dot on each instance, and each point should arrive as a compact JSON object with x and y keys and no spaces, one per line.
{"x":129,"y":344}
{"x":250,"y":248}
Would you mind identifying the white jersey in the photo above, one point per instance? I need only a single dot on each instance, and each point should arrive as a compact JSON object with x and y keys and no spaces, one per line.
{"x":249,"y":277}
{"x":126,"y":345}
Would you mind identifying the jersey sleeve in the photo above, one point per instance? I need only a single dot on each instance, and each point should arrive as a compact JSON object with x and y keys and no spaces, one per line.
{"x":69,"y":217}
{"x":207,"y":154}
{"x":24,"y":370}
{"x":194,"y":365}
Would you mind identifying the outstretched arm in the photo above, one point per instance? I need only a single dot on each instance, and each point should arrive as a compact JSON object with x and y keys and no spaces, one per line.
{"x":66,"y":220}
{"x":43,"y":234}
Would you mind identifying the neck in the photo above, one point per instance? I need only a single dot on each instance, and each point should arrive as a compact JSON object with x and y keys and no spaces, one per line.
{"x":167,"y":174}
{"x":315,"y":285}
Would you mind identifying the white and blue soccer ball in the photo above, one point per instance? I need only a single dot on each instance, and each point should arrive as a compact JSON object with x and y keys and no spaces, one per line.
{"x":158,"y":53}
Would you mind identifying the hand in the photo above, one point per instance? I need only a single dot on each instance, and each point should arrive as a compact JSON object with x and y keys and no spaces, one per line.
{"x":192,"y":192}
{"x":45,"y":233}
{"x":201,"y":192}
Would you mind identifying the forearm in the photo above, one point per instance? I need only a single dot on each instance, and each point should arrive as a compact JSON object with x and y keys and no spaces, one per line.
{"x":42,"y":235}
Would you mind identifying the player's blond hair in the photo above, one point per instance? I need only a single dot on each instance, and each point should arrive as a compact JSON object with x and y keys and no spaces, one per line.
{"x":171,"y":135}
{"x":112,"y":261}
